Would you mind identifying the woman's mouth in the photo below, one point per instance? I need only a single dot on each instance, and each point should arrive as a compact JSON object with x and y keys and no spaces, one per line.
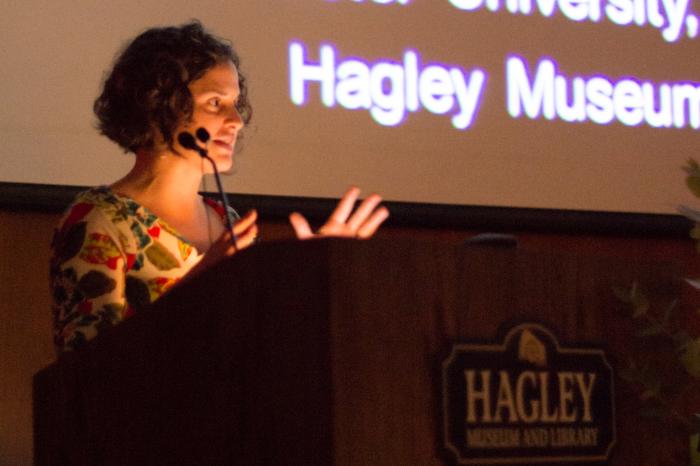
{"x":224,"y":143}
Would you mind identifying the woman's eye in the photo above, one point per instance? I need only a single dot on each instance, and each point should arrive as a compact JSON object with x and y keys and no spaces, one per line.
{"x":215,"y":102}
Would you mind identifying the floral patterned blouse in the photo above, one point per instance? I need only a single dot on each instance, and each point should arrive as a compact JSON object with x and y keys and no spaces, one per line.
{"x":111,"y":258}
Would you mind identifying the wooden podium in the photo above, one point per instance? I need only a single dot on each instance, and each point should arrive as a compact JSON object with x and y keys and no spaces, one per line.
{"x":316,"y":353}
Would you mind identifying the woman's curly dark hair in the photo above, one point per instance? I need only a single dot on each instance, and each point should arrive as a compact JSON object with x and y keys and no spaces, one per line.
{"x":147,"y":92}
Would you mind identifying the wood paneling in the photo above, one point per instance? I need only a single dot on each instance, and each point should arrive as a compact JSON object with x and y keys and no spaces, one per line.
{"x":25,"y":321}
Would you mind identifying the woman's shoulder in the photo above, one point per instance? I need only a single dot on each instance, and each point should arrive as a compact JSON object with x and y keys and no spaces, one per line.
{"x":101,"y":203}
{"x":86,"y":204}
{"x":102,"y":197}
{"x":101,"y":210}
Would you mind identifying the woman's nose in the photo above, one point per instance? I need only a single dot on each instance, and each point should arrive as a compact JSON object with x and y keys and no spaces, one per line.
{"x":234,"y":119}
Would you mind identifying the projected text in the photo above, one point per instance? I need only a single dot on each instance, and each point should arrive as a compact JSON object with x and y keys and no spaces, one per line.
{"x":392,"y":88}
{"x":549,"y":94}
{"x":672,"y":17}
{"x":388,"y":89}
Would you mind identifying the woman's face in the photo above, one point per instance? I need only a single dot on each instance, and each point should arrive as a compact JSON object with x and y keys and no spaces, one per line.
{"x":214,"y":98}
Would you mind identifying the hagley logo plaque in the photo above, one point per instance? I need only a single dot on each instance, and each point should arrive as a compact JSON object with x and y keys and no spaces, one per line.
{"x":527,"y":401}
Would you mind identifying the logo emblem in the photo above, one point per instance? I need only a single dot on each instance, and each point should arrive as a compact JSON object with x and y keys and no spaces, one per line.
{"x":527,"y":401}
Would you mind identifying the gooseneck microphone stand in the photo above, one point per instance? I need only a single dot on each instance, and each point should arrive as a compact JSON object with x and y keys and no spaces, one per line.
{"x":188,"y":141}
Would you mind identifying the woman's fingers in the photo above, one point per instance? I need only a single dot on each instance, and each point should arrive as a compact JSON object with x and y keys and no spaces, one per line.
{"x":245,"y":222}
{"x":300,"y":225}
{"x":247,"y":237}
{"x":345,"y":206}
{"x":246,"y":231}
{"x":343,"y":222}
{"x":365,"y":211}
{"x":368,"y":228}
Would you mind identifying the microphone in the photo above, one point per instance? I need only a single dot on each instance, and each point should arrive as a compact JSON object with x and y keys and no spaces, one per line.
{"x":188,"y":141}
{"x":202,"y":134}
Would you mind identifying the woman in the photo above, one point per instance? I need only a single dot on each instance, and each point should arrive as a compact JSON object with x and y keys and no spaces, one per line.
{"x":120,"y":247}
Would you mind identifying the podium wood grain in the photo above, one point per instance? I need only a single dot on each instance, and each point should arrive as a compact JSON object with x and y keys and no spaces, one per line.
{"x":321,"y":353}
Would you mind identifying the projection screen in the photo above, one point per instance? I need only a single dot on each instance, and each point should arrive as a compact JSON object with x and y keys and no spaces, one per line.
{"x":588,"y":105}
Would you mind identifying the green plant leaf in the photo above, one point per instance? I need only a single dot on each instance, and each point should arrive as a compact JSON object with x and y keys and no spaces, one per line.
{"x":694,"y":423}
{"x":653,"y":412}
{"x":669,"y":312}
{"x":623,"y":294}
{"x":689,"y":213}
{"x":647,"y":395}
{"x":693,"y":183}
{"x":641,"y":306}
{"x":681,"y":340}
{"x":695,"y":232}
{"x":651,"y":330}
{"x":691,"y":167}
{"x":638,"y":300}
{"x":635,"y":297}
{"x":629,"y":374}
{"x":690,"y":358}
{"x":648,"y":377}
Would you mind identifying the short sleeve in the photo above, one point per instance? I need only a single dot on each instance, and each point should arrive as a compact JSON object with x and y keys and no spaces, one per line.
{"x":87,"y":276}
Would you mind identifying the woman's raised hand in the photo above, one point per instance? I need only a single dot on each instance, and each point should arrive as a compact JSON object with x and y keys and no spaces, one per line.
{"x":343,"y":222}
{"x":246,"y":231}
